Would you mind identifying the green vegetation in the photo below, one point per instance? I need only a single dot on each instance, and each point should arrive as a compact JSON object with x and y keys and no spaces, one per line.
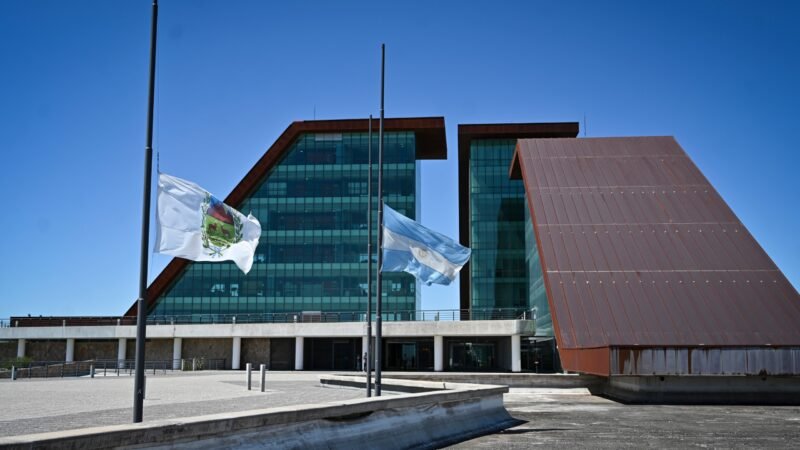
{"x":16,"y":362}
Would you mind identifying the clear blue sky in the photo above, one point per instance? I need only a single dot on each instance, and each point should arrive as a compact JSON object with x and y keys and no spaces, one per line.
{"x":720,"y":76}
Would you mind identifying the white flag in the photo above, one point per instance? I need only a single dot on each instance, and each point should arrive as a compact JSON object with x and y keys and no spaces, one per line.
{"x":195,"y":225}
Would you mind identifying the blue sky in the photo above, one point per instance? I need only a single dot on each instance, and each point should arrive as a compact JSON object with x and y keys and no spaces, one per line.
{"x":722,"y":77}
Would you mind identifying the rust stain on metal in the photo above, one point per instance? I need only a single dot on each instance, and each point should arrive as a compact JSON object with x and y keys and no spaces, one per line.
{"x":645,"y":258}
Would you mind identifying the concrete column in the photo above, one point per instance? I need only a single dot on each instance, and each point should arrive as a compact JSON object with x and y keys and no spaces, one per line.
{"x":177,"y":346}
{"x":236,"y":359}
{"x":20,"y":348}
{"x":516,"y":357}
{"x":70,"y":350}
{"x":364,"y":347}
{"x":121,"y":350}
{"x":298,"y":353}
{"x":438,"y":353}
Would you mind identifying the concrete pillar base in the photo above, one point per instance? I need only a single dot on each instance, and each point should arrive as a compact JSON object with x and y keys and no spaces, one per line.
{"x":177,"y":346}
{"x":516,"y":354}
{"x":236,"y":354}
{"x":298,"y":353}
{"x":70,"y":356}
{"x":438,"y":353}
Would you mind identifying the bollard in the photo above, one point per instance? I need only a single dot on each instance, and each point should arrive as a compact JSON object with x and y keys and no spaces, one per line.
{"x":13,"y":373}
{"x":249,"y":376}
{"x":194,"y":364}
{"x":263,"y":377}
{"x":91,"y":371}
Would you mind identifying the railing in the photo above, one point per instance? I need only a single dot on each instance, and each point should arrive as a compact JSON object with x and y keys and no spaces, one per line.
{"x":284,"y":317}
{"x":104,"y":367}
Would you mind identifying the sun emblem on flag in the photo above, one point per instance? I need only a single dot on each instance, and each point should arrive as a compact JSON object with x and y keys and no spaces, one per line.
{"x":221,"y":227}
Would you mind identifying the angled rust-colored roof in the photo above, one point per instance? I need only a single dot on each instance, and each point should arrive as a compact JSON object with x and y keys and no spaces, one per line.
{"x":639,"y":250}
{"x":431,"y":143}
{"x":469,"y":132}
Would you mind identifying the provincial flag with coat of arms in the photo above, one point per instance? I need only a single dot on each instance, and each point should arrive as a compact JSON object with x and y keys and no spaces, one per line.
{"x":193,"y":224}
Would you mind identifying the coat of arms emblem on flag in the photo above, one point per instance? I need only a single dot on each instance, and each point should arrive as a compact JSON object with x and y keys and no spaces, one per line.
{"x":195,"y":225}
{"x":221,"y":227}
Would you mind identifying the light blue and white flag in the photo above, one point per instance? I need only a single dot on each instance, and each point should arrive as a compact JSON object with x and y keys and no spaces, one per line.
{"x":409,"y":247}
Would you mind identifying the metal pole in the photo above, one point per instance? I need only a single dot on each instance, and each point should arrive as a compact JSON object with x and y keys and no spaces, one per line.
{"x":368,"y":362}
{"x":249,"y":376}
{"x":378,"y":320}
{"x":138,"y":386}
{"x":263,"y":368}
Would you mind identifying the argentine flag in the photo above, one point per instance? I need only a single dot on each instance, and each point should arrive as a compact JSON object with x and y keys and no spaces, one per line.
{"x":409,"y":247}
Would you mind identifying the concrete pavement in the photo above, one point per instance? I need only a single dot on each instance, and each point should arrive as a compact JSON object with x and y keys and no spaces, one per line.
{"x":42,"y":405}
{"x":572,"y":418}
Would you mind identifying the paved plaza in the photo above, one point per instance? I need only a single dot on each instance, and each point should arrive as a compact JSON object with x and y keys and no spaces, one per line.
{"x":570,"y":418}
{"x":41,"y":405}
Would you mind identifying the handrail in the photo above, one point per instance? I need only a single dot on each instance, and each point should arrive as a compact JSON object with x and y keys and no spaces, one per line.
{"x":279,"y":317}
{"x":61,"y":369}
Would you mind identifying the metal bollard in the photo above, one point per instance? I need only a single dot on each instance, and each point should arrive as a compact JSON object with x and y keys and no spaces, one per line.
{"x":13,"y":373}
{"x":263,"y":377}
{"x":249,"y":376}
{"x":91,"y":371}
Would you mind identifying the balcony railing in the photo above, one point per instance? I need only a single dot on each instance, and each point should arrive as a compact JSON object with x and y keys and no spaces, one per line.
{"x":284,"y":317}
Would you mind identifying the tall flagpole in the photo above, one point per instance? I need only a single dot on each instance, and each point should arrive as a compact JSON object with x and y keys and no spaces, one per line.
{"x":368,"y":362}
{"x":378,"y":321}
{"x":138,"y":389}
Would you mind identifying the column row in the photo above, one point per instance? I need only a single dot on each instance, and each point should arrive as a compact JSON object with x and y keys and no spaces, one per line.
{"x":439,"y":365}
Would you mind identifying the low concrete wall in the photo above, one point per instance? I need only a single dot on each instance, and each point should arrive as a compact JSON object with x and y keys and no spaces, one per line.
{"x":512,"y":380}
{"x":423,"y":420}
{"x":754,"y":390}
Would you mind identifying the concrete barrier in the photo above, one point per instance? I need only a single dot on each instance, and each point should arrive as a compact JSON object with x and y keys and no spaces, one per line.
{"x":418,"y":420}
{"x":512,"y":380}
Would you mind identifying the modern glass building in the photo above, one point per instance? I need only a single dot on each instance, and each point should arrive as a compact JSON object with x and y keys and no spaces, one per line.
{"x":606,"y":256}
{"x":504,"y":271}
{"x":497,"y":228}
{"x":312,"y":205}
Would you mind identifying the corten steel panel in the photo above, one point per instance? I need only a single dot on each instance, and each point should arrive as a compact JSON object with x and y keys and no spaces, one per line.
{"x":639,"y":250}
{"x":430,"y":144}
{"x":466,"y":134}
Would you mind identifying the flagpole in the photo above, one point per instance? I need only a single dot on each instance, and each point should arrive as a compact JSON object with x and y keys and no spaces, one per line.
{"x":368,"y":362}
{"x":141,"y":319}
{"x":378,"y":321}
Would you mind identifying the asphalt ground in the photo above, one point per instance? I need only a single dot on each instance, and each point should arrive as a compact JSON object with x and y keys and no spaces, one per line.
{"x":573,"y":418}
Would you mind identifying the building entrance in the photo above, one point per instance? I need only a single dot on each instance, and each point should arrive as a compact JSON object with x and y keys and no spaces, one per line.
{"x":469,"y":356}
{"x":332,"y":354}
{"x":539,"y":355}
{"x":409,"y":355}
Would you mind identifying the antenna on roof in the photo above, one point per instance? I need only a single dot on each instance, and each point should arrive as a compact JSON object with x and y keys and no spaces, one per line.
{"x":584,"y":124}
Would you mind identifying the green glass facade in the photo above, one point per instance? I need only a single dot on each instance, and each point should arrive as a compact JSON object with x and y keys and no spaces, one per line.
{"x":505,"y":271}
{"x":312,"y":253}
